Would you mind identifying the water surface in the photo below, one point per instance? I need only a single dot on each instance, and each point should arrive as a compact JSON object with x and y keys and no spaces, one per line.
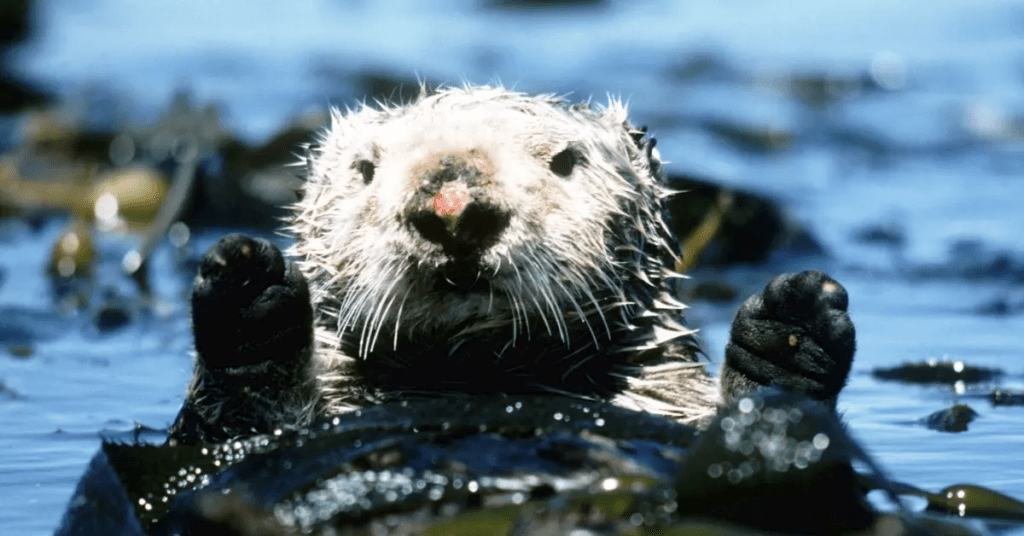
{"x":919,"y":130}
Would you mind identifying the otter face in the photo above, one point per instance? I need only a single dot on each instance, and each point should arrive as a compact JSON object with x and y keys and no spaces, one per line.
{"x":476,"y":210}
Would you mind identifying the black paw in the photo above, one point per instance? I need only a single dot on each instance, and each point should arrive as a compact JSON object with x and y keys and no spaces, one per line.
{"x":795,"y":334}
{"x":248,"y":305}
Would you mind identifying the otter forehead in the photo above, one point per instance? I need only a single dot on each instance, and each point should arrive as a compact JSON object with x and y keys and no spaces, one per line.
{"x":496,"y":129}
{"x":374,"y":162}
{"x":504,"y":124}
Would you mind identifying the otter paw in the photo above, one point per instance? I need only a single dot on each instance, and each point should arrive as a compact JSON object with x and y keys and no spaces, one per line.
{"x":248,"y":305}
{"x":796,"y":334}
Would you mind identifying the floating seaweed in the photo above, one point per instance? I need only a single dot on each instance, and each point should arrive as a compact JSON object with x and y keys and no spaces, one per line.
{"x":517,"y":465}
{"x":936,"y":371}
{"x":953,"y":419}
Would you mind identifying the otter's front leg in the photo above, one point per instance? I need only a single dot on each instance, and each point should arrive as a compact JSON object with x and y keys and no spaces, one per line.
{"x":795,"y":334}
{"x":253,"y":325}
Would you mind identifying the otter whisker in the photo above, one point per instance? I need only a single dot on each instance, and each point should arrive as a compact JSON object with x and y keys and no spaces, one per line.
{"x":600,"y":313}
{"x":355,"y":310}
{"x":583,"y":317}
{"x":381,"y":313}
{"x":577,"y":365}
{"x":352,"y":296}
{"x":549,"y":300}
{"x":519,"y":275}
{"x":398,"y":317}
{"x":543,"y":315}
{"x":490,"y":300}
{"x":370,"y":330}
{"x":502,"y":350}
{"x":556,"y":311}
{"x":365,"y":332}
{"x":535,"y":289}
{"x":519,"y":313}
{"x":380,"y":316}
{"x":585,"y":283}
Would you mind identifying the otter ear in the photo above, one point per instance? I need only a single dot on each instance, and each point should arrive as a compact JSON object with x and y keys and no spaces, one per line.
{"x":616,"y":114}
{"x":646,"y":145}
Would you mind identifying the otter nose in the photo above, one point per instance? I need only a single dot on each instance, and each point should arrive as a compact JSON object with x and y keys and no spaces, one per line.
{"x":465,"y":232}
{"x":453,"y":206}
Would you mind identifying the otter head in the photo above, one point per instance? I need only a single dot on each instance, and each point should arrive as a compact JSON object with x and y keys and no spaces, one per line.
{"x":481,"y":231}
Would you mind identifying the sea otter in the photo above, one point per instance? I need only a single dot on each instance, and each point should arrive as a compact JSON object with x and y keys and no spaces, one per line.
{"x":478,"y":240}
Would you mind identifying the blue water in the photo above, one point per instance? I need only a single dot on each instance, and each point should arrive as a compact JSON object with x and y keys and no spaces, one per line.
{"x":933,"y":147}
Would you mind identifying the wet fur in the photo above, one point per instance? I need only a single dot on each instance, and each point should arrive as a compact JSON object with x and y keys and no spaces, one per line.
{"x":554,"y":277}
{"x":580,"y":287}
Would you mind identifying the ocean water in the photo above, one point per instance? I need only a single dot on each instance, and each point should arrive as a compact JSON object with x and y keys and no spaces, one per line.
{"x":904,"y":116}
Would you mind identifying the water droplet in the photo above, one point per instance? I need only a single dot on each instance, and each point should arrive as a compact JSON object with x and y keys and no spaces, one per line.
{"x":746,"y":405}
{"x":178,"y":234}
{"x":105,"y":210}
{"x":66,"y":267}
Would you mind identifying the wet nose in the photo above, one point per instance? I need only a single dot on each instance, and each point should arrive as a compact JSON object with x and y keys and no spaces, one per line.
{"x":453,"y":206}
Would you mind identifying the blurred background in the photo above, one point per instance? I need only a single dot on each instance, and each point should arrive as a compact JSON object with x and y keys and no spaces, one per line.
{"x":881,"y":141}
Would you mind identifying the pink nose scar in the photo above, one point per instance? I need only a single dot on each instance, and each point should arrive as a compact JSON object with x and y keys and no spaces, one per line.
{"x":451,"y":200}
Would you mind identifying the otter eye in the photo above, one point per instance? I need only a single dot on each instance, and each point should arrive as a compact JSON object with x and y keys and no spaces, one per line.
{"x":563,"y":163}
{"x":366,"y":169}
